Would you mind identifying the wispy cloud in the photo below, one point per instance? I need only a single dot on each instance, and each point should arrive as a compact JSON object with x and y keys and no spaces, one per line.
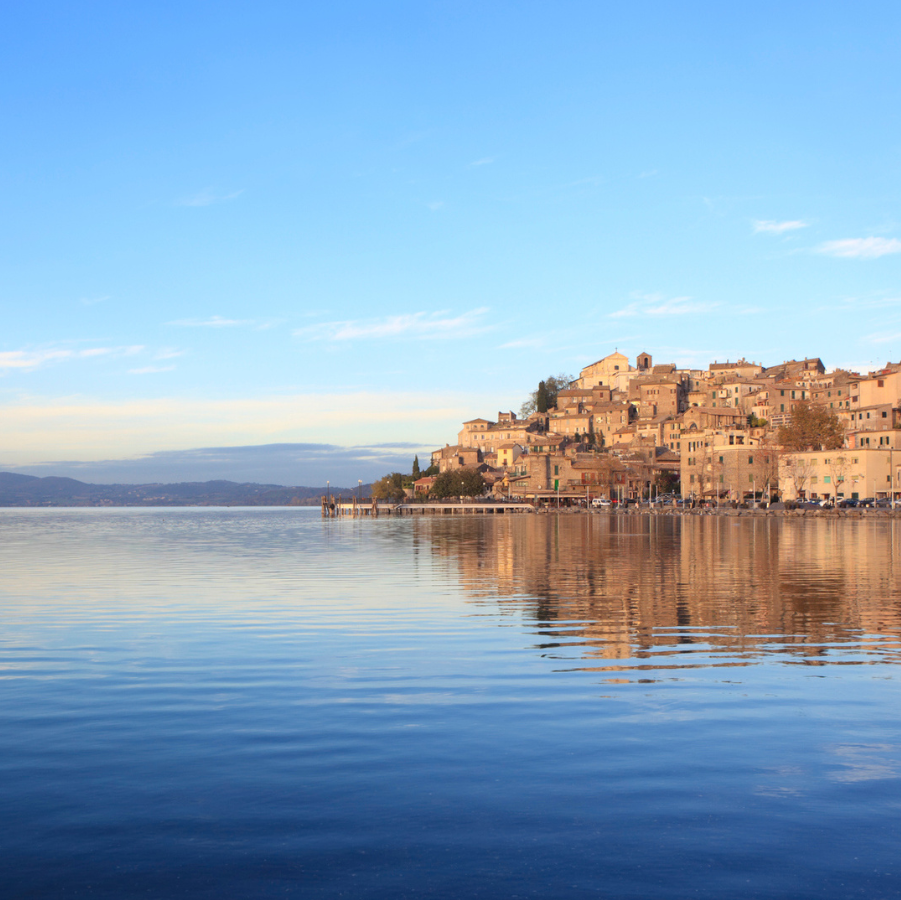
{"x":207,"y":198}
{"x":883,"y":338}
{"x":30,"y":359}
{"x":658,"y":305}
{"x":435,"y":205}
{"x":420,"y":325}
{"x":861,"y":248}
{"x":769,"y":226}
{"x":25,"y":360}
{"x":649,"y":174}
{"x":168,"y":353}
{"x":486,"y":161}
{"x":93,"y":301}
{"x":211,"y":322}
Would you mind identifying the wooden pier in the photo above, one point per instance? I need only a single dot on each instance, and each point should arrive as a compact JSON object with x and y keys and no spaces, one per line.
{"x":339,"y":509}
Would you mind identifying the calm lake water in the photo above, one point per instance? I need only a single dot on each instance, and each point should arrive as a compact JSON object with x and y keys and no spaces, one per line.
{"x":259,"y":703}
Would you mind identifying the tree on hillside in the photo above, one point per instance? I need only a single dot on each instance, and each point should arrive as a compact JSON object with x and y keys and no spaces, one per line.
{"x":391,"y":487}
{"x":811,"y":427}
{"x":416,"y":473}
{"x":458,"y":483}
{"x":546,"y":394}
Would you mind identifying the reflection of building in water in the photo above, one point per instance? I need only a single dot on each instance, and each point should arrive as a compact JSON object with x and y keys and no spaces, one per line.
{"x":666,"y":588}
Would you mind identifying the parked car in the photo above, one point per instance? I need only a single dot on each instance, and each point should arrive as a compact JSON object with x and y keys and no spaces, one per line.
{"x":847,"y":503}
{"x":601,"y":501}
{"x":867,"y":502}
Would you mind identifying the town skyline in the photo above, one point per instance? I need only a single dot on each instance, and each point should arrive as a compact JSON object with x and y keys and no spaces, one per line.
{"x":354,"y":226}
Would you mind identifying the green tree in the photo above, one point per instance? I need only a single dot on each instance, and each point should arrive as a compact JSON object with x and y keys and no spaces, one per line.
{"x":552,"y":386}
{"x":391,"y":487}
{"x":811,"y":427}
{"x":416,"y":473}
{"x":458,"y":483}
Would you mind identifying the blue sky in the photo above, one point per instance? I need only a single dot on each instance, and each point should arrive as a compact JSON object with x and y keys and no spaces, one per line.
{"x":357,"y":225}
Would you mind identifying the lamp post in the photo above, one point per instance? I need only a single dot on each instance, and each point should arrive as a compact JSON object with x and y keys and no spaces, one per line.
{"x":891,"y":467}
{"x":328,"y":494}
{"x":360,"y":491}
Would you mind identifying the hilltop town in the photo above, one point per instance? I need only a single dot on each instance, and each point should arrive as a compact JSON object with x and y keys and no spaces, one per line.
{"x":725,"y":433}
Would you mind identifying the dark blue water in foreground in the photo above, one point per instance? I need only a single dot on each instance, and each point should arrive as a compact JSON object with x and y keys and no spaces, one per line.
{"x":257,"y":703}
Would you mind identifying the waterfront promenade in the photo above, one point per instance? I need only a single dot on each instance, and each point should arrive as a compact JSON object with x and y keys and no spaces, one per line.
{"x":469,"y":508}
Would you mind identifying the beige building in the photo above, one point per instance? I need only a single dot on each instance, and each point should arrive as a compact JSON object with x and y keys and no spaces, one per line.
{"x":612,"y":372}
{"x":847,"y":473}
{"x":608,"y":419}
{"x":740,"y":369}
{"x":660,"y":397}
{"x":728,"y":466}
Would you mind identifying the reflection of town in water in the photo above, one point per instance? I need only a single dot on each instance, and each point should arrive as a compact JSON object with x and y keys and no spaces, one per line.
{"x":643,"y":594}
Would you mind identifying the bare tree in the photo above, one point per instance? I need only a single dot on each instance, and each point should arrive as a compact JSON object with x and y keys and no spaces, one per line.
{"x":799,"y":469}
{"x":838,"y":471}
{"x":766,"y":468}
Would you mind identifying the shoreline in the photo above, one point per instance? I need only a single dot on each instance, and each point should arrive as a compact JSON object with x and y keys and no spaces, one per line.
{"x":748,"y":513}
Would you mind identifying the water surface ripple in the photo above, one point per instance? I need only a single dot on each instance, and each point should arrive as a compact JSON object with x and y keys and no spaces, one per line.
{"x":259,"y":703}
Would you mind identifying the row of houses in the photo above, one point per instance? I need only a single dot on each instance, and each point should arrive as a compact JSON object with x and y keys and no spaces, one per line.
{"x":630,"y":430}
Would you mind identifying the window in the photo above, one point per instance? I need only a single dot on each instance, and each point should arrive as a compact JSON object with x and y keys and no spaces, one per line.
{"x":721,"y":459}
{"x":884,"y":414}
{"x":880,"y":383}
{"x":827,"y":479}
{"x":750,"y":460}
{"x":556,"y":470}
{"x":781,"y":393}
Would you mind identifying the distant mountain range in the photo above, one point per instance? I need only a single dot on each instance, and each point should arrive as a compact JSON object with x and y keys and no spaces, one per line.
{"x":28,"y":490}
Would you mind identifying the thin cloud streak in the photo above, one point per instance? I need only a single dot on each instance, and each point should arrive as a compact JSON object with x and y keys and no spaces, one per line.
{"x":768,"y":226}
{"x":27,"y":360}
{"x":655,"y":305}
{"x":861,"y":248}
{"x":420,"y":326}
